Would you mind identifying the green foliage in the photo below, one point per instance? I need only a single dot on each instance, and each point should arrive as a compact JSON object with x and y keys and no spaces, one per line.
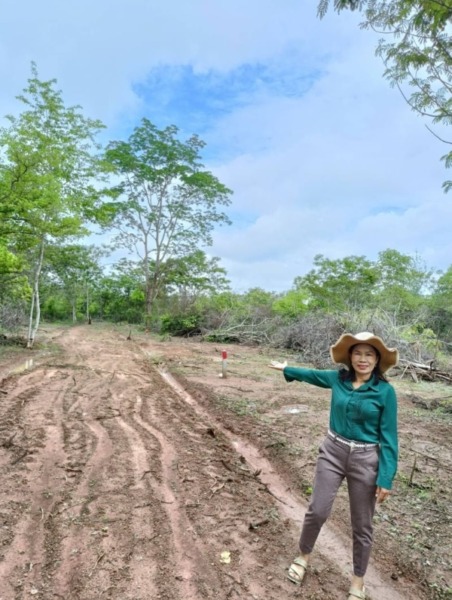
{"x":258,"y":298}
{"x":13,"y":282}
{"x":56,"y":308}
{"x":396,"y":283}
{"x":220,"y":303}
{"x":342,"y":284}
{"x":10,"y":264}
{"x":192,"y":276}
{"x":70,"y":277}
{"x":291,"y":305}
{"x":403,"y":283}
{"x":440,"y":305}
{"x":418,"y":55}
{"x":120,"y":297}
{"x":420,"y":335}
{"x":48,"y":168}
{"x":180,"y":325}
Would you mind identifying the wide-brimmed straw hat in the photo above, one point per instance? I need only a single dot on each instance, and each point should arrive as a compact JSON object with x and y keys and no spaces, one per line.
{"x":340,"y":351}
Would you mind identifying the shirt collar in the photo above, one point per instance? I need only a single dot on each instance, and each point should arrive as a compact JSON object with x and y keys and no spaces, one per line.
{"x":372,"y":384}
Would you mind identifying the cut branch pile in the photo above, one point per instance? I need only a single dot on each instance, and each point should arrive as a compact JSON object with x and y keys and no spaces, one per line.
{"x":421,"y":371}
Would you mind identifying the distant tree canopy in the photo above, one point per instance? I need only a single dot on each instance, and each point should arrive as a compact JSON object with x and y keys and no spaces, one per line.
{"x":416,"y":50}
{"x":395,"y":282}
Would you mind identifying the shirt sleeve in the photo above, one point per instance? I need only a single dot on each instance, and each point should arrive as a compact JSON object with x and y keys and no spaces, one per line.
{"x":320,"y":378}
{"x":388,"y":441}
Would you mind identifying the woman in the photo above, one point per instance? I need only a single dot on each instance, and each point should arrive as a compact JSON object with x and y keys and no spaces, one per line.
{"x":361,"y":445}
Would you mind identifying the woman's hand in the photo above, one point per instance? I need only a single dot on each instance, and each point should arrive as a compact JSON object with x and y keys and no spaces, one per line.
{"x":381,"y":494}
{"x":279,"y":366}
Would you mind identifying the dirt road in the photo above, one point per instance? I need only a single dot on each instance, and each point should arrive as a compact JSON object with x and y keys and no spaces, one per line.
{"x":119,"y":480}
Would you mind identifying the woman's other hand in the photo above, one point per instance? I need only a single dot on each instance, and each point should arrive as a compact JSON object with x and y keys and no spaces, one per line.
{"x":279,"y":366}
{"x":382,"y":494}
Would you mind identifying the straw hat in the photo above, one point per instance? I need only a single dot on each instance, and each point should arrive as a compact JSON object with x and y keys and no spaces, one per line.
{"x":340,"y":350}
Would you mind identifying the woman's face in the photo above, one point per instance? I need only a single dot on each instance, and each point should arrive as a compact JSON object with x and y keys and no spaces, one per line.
{"x":364,"y":359}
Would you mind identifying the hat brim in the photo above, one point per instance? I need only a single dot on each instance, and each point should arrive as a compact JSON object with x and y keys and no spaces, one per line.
{"x":340,"y":351}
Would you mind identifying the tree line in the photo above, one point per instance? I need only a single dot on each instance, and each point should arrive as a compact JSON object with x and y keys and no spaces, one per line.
{"x":155,"y":198}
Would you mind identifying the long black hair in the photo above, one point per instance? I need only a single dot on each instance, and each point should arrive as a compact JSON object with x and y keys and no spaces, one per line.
{"x":350,"y":373}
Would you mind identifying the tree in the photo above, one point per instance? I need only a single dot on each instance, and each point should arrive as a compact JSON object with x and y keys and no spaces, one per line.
{"x":338,"y":285}
{"x":12,"y":281}
{"x":168,"y":204}
{"x":418,"y":55}
{"x":189,"y":277}
{"x":47,"y":173}
{"x":441,"y":305}
{"x":75,"y":268}
{"x":403,"y":283}
{"x":120,"y":295}
{"x":291,"y":305}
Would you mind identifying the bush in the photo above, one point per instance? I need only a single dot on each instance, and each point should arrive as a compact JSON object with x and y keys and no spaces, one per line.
{"x":180,"y":325}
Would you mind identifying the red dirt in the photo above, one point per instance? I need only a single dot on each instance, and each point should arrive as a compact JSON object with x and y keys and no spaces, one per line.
{"x":120,"y":480}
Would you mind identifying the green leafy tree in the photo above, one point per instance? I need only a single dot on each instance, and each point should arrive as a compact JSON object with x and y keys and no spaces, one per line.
{"x":441,"y":306}
{"x":403,"y":283}
{"x":292,"y":304}
{"x":47,"y":172}
{"x":13,"y":283}
{"x":76,"y":268}
{"x":416,"y":50}
{"x":168,"y":203}
{"x":120,"y":295}
{"x":338,"y":285}
{"x":189,"y":277}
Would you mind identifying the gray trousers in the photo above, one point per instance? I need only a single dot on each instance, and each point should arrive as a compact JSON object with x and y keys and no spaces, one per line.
{"x":359,"y":467}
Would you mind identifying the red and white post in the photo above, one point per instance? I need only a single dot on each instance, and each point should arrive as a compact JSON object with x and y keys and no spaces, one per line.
{"x":224,"y":363}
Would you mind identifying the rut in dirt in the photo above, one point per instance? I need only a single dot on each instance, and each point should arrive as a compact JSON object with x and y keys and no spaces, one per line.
{"x":119,"y":485}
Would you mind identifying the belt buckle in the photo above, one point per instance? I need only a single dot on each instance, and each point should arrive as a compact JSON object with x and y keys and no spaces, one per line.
{"x":352,"y":446}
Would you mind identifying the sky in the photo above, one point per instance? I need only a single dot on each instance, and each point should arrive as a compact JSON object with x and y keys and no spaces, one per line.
{"x":322,"y":155}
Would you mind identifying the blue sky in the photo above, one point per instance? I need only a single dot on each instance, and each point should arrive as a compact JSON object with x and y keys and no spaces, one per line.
{"x":322,"y":155}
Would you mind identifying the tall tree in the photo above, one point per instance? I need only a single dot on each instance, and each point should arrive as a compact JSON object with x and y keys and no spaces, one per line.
{"x":168,"y":203}
{"x":47,"y":173}
{"x":417,"y":53}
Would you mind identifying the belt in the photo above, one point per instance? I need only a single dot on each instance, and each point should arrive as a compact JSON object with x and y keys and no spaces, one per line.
{"x":350,"y":443}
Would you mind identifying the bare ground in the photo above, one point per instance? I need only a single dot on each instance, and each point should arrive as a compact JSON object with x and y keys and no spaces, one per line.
{"x":130,"y":470}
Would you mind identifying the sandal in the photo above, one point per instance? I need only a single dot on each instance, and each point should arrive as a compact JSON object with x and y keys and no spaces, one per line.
{"x":297,"y":570}
{"x":361,"y":594}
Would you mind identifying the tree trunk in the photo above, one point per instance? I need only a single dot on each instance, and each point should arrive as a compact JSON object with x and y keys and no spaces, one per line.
{"x":35,"y":310}
{"x":88,"y":316}
{"x":30,"y":321}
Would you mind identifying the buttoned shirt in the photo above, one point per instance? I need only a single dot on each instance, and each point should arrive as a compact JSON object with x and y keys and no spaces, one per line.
{"x":367,"y":414}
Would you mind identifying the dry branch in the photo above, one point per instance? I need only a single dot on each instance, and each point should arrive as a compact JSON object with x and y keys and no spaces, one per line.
{"x":421,"y":371}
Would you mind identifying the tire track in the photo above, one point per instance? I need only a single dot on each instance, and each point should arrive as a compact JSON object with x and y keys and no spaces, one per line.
{"x":18,"y":573}
{"x":223,"y":525}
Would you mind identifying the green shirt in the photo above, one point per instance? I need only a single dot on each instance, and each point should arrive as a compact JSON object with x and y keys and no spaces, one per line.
{"x":366,"y":414}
